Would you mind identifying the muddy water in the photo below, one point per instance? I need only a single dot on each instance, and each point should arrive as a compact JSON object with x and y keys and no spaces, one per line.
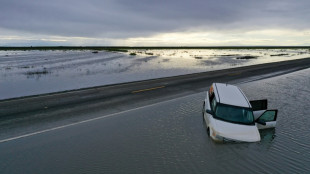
{"x":170,"y":137}
{"x":176,"y":139}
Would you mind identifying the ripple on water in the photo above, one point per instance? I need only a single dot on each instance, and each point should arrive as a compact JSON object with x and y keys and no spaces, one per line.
{"x":170,"y":137}
{"x":289,"y":93}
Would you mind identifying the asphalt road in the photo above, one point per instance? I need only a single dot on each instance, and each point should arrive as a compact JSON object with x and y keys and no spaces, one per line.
{"x":28,"y":114}
{"x":143,"y":92}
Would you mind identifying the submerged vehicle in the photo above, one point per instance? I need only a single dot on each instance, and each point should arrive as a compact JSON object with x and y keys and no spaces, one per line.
{"x":230,"y":116}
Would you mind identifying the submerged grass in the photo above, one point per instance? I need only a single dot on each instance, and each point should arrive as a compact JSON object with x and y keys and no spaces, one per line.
{"x":247,"y":57}
{"x":37,"y":72}
{"x":279,"y":55}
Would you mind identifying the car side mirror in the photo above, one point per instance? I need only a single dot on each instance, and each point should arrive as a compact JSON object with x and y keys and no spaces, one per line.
{"x":209,"y":111}
{"x":261,"y":122}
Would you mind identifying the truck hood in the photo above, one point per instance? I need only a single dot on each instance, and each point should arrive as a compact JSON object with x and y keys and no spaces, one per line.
{"x":236,"y":132}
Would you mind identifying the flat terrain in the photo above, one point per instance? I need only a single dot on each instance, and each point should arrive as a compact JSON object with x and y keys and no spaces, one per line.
{"x":92,"y":102}
{"x":166,"y":134}
{"x":49,"y":71}
{"x":128,"y":48}
{"x":145,"y":92}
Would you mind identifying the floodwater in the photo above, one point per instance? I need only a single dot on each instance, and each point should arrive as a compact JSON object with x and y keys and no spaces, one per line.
{"x":170,"y":137}
{"x":24,"y":73}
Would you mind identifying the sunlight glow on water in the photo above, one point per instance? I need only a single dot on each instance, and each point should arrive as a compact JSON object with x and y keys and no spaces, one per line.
{"x":51,"y":71}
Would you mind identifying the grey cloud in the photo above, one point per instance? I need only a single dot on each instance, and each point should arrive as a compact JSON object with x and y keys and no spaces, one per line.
{"x":130,"y":18}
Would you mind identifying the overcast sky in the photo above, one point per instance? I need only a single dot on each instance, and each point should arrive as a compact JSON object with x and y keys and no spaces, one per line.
{"x":154,"y":23}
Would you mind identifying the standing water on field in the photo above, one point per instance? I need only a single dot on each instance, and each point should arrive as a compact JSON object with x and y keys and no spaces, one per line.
{"x":24,"y":73}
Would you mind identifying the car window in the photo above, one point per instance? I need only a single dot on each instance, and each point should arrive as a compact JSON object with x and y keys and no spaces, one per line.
{"x":213,"y":104}
{"x":268,"y":116}
{"x":211,"y":96}
{"x":234,"y":114}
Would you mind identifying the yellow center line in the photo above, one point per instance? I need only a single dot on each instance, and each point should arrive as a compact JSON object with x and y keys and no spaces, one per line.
{"x":149,"y":89}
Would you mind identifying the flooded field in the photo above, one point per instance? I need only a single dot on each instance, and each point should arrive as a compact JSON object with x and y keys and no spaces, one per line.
{"x":26,"y":73}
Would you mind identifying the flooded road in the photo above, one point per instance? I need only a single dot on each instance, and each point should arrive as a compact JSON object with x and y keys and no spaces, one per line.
{"x":170,"y":137}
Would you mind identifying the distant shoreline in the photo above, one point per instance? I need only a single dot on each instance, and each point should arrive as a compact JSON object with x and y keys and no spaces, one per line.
{"x":125,"y":48}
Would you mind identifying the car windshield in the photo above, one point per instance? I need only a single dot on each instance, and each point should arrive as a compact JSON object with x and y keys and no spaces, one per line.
{"x":234,"y":114}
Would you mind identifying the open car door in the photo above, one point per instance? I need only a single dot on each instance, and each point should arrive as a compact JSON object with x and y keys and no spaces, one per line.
{"x":268,"y":119}
{"x":258,"y":105}
{"x":264,"y":118}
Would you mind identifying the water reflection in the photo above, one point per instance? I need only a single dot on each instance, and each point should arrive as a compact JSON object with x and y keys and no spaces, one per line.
{"x":112,"y":67}
{"x":267,"y":135}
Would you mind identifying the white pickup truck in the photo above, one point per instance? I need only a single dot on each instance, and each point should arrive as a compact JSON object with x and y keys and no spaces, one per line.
{"x":230,"y":116}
